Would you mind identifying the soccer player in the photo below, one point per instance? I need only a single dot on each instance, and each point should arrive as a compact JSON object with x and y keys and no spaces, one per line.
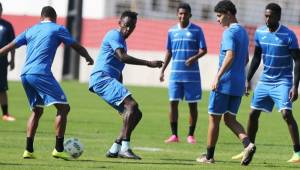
{"x":228,"y":86}
{"x":278,"y":46}
{"x":185,"y":45}
{"x":40,"y":86}
{"x":7,"y":34}
{"x":106,"y":82}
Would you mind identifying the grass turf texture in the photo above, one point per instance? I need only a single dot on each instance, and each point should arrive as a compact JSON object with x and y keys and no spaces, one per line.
{"x":96,"y":124}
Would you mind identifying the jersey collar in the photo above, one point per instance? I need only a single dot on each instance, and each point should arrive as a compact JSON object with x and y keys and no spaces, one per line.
{"x":178,"y":26}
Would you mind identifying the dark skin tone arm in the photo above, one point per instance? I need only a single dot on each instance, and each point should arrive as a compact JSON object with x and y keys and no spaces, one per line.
{"x":253,"y":67}
{"x":188,"y":62}
{"x":125,"y":58}
{"x":293,"y":95}
{"x":83,"y":52}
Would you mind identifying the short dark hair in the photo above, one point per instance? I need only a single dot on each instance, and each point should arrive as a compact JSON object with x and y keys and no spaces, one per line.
{"x":275,"y":8}
{"x":48,"y":11}
{"x":130,"y":14}
{"x":224,"y":6}
{"x":185,"y":6}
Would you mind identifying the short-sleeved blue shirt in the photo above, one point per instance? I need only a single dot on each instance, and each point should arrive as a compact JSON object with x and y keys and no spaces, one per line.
{"x":277,"y":59}
{"x":42,"y":41}
{"x":232,"y":82}
{"x":184,"y":43}
{"x":107,"y":60}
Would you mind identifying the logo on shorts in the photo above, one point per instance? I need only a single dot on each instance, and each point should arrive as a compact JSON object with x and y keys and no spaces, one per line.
{"x":62,"y":97}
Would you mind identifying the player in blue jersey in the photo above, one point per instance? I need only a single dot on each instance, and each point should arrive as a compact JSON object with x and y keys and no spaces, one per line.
{"x":7,"y":34}
{"x":106,"y":82}
{"x":185,"y":45}
{"x":278,"y":46}
{"x":40,"y":86}
{"x":228,"y":86}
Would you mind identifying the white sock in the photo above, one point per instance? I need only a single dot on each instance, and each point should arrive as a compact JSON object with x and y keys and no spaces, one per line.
{"x":115,"y":148}
{"x":125,"y":146}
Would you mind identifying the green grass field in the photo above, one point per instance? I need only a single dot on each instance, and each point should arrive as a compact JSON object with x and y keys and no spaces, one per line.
{"x":96,"y":125}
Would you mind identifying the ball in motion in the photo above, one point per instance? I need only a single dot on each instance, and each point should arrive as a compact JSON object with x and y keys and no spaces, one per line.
{"x":73,"y":147}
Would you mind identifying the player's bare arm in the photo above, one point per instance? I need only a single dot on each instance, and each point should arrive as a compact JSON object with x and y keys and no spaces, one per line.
{"x":253,"y":67}
{"x":83,"y":52}
{"x":196,"y":57}
{"x":168,"y":57}
{"x":293,"y":95}
{"x":7,"y":48}
{"x":125,"y":58}
{"x":226,"y":64}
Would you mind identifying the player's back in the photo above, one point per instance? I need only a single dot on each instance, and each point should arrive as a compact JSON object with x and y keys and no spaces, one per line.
{"x":42,"y":41}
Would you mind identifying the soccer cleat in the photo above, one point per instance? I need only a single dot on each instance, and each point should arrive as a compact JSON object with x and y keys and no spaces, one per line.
{"x":203,"y":159}
{"x":191,"y":140}
{"x":28,"y":155}
{"x":61,"y":155}
{"x":172,"y":138}
{"x":238,"y":156}
{"x":8,"y":118}
{"x":295,"y":158}
{"x":248,"y":154}
{"x":111,"y":155}
{"x":128,"y":154}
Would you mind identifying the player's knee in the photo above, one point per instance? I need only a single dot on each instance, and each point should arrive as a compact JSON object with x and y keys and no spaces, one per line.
{"x":287,"y":115}
{"x":139,"y":114}
{"x":64,"y":109}
{"x":131,"y":106}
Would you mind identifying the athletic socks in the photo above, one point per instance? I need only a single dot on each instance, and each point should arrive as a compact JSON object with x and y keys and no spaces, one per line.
{"x":125,"y":145}
{"x":191,"y":130}
{"x":210,"y":153}
{"x":174,"y":126}
{"x":246,"y":142}
{"x":29,"y":144}
{"x":115,"y":148}
{"x":4,"y":109}
{"x":59,"y":145}
{"x":296,"y":148}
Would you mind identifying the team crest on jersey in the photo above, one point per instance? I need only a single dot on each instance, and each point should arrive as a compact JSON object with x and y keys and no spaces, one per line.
{"x":1,"y":28}
{"x":176,"y":34}
{"x":188,"y":34}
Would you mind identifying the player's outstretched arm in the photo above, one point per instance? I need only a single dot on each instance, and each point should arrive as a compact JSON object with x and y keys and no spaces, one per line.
{"x":168,"y":57}
{"x":294,"y":91}
{"x":7,"y":48}
{"x":125,"y":58}
{"x":83,"y":52}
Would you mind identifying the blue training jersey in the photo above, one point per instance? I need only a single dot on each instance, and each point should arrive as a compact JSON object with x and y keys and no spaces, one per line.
{"x":232,"y":82}
{"x":107,"y":60}
{"x":42,"y":41}
{"x":184,"y":43}
{"x":277,"y":59}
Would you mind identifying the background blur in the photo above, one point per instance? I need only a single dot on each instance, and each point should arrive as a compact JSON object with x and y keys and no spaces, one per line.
{"x":89,"y":20}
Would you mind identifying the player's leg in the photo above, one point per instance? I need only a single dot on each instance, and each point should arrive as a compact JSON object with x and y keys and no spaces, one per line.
{"x":175,"y":95}
{"x":193,"y":122}
{"x":3,"y":91}
{"x":32,"y":125}
{"x":192,"y":93}
{"x":131,"y":117}
{"x":217,"y":107}
{"x":294,"y":133}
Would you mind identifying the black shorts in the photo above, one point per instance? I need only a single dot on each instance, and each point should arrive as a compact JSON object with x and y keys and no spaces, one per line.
{"x":3,"y":73}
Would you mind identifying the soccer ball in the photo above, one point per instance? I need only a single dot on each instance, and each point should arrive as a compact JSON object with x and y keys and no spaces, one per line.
{"x":73,"y":147}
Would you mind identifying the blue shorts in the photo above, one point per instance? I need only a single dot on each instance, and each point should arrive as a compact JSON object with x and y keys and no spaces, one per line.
{"x":42,"y":90}
{"x":111,"y":90}
{"x":265,"y":95}
{"x":220,"y":103}
{"x":191,"y":91}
